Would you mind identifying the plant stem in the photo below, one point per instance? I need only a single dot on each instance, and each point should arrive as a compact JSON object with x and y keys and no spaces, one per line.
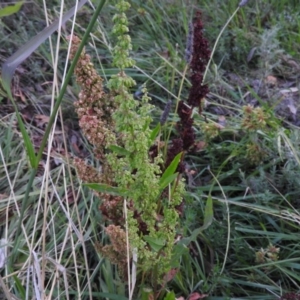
{"x":216,"y":43}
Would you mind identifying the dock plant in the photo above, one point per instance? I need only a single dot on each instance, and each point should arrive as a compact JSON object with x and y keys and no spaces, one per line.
{"x":140,"y":188}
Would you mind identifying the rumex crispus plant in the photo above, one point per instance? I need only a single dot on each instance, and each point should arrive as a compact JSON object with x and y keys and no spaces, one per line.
{"x":134,"y":176}
{"x":119,"y":128}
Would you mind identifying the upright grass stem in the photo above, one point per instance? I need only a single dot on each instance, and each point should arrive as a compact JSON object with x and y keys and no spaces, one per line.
{"x":218,"y":38}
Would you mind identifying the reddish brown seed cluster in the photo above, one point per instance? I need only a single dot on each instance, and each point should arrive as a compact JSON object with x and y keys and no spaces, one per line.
{"x":197,"y":55}
{"x":199,"y":60}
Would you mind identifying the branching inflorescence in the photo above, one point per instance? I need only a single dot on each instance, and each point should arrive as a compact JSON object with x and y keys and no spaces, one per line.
{"x":200,"y":57}
{"x":119,"y":128}
{"x":197,"y":55}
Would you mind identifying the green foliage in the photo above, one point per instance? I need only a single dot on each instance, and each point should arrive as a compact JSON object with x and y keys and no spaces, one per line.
{"x":135,"y":172}
{"x":10,"y":9}
{"x":170,"y":296}
{"x":169,"y":174}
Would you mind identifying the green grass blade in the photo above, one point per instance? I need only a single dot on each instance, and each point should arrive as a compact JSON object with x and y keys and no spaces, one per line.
{"x":155,"y":132}
{"x":164,"y":183}
{"x":170,"y":169}
{"x":208,"y":218}
{"x":27,"y":141}
{"x":20,"y":287}
{"x":10,"y":9}
{"x":170,"y":296}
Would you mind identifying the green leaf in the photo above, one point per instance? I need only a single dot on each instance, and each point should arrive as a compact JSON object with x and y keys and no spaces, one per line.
{"x":155,"y":132}
{"x":29,"y":146}
{"x":10,"y":9}
{"x":170,"y":296}
{"x":167,"y":181}
{"x":147,"y":293}
{"x":20,"y":287}
{"x":208,"y":218}
{"x":208,"y":213}
{"x":155,"y":243}
{"x":177,"y":252}
{"x":119,"y":150}
{"x":170,"y":169}
{"x":104,"y":188}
